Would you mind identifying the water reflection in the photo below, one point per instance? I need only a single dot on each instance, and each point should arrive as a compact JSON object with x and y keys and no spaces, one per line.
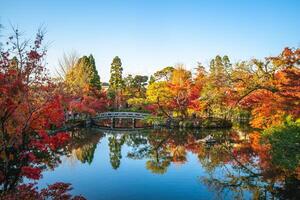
{"x":83,"y":144}
{"x":233,"y":166}
{"x":115,"y":145}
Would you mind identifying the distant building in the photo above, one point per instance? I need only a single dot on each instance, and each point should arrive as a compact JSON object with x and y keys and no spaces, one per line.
{"x":105,"y":86}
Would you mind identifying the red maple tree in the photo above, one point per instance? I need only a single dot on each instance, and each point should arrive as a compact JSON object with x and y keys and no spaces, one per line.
{"x":30,"y":107}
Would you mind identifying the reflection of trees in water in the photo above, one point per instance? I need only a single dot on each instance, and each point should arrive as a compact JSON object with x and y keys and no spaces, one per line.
{"x":235,"y":173}
{"x":115,"y":145}
{"x":226,"y":179}
{"x":83,"y":141}
{"x":157,"y":166}
{"x":12,"y":167}
{"x":163,"y":147}
{"x":86,"y":153}
{"x":159,"y":157}
{"x":235,"y":186}
{"x":212,"y":156}
{"x":83,"y":144}
{"x":139,"y":145}
{"x":151,"y":146}
{"x":160,"y":148}
{"x":10,"y":174}
{"x":234,"y":167}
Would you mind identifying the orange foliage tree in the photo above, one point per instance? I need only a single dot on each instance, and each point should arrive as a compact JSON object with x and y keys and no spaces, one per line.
{"x":270,"y":89}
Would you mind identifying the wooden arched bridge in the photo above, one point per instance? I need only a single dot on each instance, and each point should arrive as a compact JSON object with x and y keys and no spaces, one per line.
{"x":121,"y":115}
{"x":112,"y":116}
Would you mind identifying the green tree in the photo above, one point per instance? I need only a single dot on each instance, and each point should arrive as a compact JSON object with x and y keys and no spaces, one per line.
{"x":116,"y":83}
{"x":218,"y":82}
{"x":135,"y":86}
{"x":285,"y":143}
{"x":162,"y":75}
{"x":116,"y":70}
{"x":95,"y":78}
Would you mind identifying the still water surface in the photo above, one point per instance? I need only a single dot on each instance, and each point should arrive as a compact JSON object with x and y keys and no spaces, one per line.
{"x":162,"y":164}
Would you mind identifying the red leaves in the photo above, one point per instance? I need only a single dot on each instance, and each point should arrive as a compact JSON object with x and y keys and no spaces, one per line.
{"x":58,"y":140}
{"x":56,"y":191}
{"x":59,"y":191}
{"x":45,"y":143}
{"x":194,"y":102}
{"x":52,"y":113}
{"x":31,"y":172}
{"x":88,"y":105}
{"x":30,"y":106}
{"x":27,"y":99}
{"x":151,"y":108}
{"x":24,"y":191}
{"x":2,"y":177}
{"x":53,"y":142}
{"x":31,"y":157}
{"x":33,"y":55}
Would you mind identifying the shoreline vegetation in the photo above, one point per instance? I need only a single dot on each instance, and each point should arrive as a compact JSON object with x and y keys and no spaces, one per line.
{"x":264,"y":92}
{"x":189,"y":123}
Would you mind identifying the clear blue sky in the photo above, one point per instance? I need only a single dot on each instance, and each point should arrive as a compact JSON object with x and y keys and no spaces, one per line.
{"x":148,"y":35}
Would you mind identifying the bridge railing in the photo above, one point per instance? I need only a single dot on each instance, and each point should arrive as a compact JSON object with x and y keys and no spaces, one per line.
{"x":108,"y":115}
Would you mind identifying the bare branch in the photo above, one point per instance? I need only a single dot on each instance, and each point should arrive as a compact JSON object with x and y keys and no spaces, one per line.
{"x":66,"y":63}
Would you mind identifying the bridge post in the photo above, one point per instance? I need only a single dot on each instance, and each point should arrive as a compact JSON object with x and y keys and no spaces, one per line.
{"x":88,"y":122}
{"x":113,"y":123}
{"x":133,"y":123}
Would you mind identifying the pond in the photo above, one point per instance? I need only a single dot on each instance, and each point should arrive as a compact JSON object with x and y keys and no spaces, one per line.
{"x":168,"y":164}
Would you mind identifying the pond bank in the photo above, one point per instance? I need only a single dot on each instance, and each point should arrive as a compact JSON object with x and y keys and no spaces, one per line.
{"x":209,"y":123}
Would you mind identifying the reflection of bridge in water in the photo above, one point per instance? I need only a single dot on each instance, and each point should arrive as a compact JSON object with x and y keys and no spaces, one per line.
{"x":113,"y":116}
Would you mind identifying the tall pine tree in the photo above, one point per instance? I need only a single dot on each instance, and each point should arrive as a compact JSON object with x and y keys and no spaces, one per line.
{"x":94,"y":79}
{"x":116,"y":83}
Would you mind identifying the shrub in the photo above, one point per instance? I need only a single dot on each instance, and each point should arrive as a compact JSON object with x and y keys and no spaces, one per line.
{"x":285,"y":143}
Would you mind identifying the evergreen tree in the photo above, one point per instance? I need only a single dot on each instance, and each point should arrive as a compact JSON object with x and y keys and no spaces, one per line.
{"x":95,"y":79}
{"x":116,"y":83}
